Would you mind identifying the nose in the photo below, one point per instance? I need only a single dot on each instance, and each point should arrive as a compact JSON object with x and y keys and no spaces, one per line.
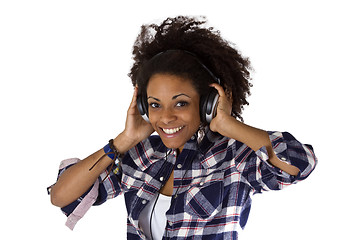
{"x":167,"y":116}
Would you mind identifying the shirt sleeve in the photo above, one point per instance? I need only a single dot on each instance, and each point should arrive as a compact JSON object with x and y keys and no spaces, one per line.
{"x":263,"y":176}
{"x":107,"y":186}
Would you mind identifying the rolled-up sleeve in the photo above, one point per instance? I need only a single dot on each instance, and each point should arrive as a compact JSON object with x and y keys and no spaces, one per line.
{"x":107,"y":186}
{"x":261,"y":175}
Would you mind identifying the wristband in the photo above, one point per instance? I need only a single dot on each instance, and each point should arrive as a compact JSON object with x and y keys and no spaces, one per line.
{"x":108,"y":151}
{"x":111,"y":151}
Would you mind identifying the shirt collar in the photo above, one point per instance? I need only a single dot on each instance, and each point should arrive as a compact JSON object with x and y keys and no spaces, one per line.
{"x":203,"y":146}
{"x":209,"y":140}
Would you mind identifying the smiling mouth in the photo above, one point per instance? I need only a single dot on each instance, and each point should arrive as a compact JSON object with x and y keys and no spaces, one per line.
{"x":171,"y":130}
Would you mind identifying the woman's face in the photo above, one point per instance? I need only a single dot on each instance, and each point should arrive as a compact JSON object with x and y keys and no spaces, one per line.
{"x":173,"y":109}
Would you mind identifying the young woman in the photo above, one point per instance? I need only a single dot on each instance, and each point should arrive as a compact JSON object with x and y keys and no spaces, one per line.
{"x":193,"y":178}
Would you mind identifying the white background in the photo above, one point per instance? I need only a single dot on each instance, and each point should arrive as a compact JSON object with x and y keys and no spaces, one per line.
{"x":64,"y":92}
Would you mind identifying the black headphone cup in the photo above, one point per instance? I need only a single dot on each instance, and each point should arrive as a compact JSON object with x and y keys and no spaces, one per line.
{"x":212,"y":97}
{"x":139,"y":105}
{"x":142,"y":107}
{"x":207,"y":105}
{"x":202,"y":108}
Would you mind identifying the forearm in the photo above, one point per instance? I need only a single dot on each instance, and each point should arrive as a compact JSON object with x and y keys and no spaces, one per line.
{"x":77,"y":179}
{"x":255,"y":139}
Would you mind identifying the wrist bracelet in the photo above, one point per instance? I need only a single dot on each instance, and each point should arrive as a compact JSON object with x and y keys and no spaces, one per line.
{"x":108,"y":151}
{"x":111,"y":151}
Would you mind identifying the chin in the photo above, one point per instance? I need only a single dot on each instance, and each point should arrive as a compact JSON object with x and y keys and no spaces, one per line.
{"x":173,"y":143}
{"x":176,"y":140}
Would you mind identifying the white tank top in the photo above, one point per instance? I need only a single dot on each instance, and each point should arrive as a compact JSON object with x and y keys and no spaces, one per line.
{"x":158,"y":220}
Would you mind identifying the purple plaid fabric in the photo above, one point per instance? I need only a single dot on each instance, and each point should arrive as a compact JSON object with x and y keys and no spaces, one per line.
{"x":213,"y":180}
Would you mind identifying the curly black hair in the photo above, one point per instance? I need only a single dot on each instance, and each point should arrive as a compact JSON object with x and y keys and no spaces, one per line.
{"x":190,"y":35}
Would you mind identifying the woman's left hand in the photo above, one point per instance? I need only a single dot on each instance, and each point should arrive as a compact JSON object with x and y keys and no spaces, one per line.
{"x":223,"y":110}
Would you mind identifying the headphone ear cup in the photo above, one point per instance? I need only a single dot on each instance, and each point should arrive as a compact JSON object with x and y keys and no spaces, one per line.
{"x":208,"y":104}
{"x":142,"y":106}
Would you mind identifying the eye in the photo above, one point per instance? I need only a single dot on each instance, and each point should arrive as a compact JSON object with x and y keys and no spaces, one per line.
{"x":182,"y":104}
{"x":154,"y":105}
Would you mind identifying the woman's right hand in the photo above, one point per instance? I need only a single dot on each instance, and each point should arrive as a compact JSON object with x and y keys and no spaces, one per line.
{"x":136,"y":128}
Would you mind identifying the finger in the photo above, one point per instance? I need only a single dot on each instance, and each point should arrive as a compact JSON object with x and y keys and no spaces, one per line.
{"x":229,"y":95}
{"x":225,"y":101}
{"x":219,"y":88}
{"x":133,"y":104}
{"x":133,"y":100}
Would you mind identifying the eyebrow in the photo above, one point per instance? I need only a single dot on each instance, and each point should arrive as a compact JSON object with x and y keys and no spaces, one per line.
{"x":173,"y":98}
{"x":154,"y":98}
{"x":181,"y":94}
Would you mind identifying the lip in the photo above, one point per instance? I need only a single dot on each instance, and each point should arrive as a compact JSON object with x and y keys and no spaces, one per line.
{"x":171,"y":135}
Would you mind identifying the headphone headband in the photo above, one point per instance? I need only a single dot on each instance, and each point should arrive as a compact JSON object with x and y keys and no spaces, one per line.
{"x":217,"y":80}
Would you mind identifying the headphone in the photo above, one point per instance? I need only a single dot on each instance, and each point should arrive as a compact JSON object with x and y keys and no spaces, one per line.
{"x":208,"y":102}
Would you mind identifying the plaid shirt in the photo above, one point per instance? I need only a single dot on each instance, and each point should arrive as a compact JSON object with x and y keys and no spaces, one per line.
{"x":213,"y":180}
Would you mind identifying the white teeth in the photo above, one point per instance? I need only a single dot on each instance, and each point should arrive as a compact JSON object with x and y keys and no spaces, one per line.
{"x":171,"y":130}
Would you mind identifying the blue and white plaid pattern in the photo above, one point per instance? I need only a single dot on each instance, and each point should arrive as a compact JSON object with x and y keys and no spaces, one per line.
{"x":212,"y":182}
